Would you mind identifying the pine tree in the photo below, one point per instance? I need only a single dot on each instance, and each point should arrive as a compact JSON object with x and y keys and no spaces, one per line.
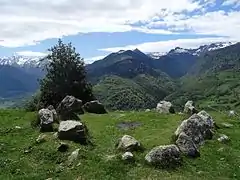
{"x":66,"y":75}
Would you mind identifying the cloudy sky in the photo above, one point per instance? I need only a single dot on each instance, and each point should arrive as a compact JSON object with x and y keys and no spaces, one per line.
{"x":98,"y":27}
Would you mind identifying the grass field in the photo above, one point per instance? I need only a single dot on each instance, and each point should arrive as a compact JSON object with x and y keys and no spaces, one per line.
{"x":103,"y":161}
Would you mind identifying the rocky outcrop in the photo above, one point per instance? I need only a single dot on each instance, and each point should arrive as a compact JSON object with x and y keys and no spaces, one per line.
{"x":189,"y":108}
{"x":164,"y":156}
{"x":46,"y":118}
{"x":128,"y":143}
{"x":187,"y":146}
{"x":69,"y":108}
{"x":192,"y":133}
{"x":165,"y":107}
{"x":73,"y":131}
{"x":94,"y":107}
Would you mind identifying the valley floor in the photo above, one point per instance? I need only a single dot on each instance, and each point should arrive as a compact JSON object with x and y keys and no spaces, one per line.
{"x":22,"y":158}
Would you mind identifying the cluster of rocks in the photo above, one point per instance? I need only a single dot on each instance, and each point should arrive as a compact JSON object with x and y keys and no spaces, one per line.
{"x":167,"y":107}
{"x":66,"y":115}
{"x":189,"y":136}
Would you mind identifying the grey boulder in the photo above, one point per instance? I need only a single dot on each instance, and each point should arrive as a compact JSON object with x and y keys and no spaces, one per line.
{"x":187,"y":146}
{"x":128,"y":143}
{"x":69,"y":107}
{"x":46,"y":118}
{"x":165,"y":156}
{"x":127,"y":156}
{"x":189,"y":108}
{"x":73,"y":131}
{"x":165,"y":107}
{"x":94,"y":107}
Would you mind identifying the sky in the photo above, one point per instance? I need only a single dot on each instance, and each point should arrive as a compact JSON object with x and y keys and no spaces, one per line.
{"x":99,"y":27}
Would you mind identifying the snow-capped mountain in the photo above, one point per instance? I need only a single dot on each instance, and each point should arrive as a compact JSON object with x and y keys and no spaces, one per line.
{"x":196,"y":52}
{"x":21,"y":61}
{"x":202,"y":49}
{"x":156,"y":55}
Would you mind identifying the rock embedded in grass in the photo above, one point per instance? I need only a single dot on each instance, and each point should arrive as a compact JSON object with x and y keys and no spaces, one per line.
{"x":166,"y":156}
{"x":63,"y":147}
{"x":46,"y":120}
{"x":73,"y":157}
{"x":189,"y":108}
{"x":227,"y":125}
{"x":127,"y":156}
{"x":69,"y":108}
{"x":165,"y":107}
{"x":223,"y":138}
{"x":41,"y":138}
{"x":73,"y":131}
{"x":128,"y":143}
{"x":187,"y":146}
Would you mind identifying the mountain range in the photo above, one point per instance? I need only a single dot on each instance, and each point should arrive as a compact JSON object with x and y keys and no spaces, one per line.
{"x":131,"y":79}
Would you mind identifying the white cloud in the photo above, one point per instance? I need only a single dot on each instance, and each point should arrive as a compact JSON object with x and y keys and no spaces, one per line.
{"x":236,"y":3}
{"x":31,"y":53}
{"x":26,"y":22}
{"x":165,"y":46}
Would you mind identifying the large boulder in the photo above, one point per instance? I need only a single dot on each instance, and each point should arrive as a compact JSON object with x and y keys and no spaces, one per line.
{"x":55,"y":116}
{"x":187,"y":146}
{"x":128,"y":143}
{"x":46,"y":118}
{"x":165,"y":107}
{"x":94,"y":107}
{"x":73,"y":131}
{"x":197,"y":127}
{"x":164,"y":156}
{"x":69,"y":108}
{"x":189,"y":108}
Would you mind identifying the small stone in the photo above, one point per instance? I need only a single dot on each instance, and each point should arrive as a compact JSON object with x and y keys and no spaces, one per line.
{"x":128,"y":143}
{"x":223,"y":138}
{"x":55,"y":135}
{"x":41,"y":138}
{"x":127,"y":156}
{"x":222,"y":159}
{"x":221,"y":149}
{"x":18,"y":127}
{"x":73,"y":157}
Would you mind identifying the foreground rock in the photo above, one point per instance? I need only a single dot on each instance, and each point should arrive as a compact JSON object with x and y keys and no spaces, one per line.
{"x":94,"y":107}
{"x":189,"y":108}
{"x":46,"y":120}
{"x":165,"y":107}
{"x":164,"y":156}
{"x":55,"y":116}
{"x":187,"y":146}
{"x":128,"y":143}
{"x":198,"y":127}
{"x":127,"y":156}
{"x":69,"y":107}
{"x":41,"y":138}
{"x":73,"y":131}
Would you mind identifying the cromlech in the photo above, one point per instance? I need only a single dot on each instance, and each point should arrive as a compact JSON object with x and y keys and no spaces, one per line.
{"x":119,"y":90}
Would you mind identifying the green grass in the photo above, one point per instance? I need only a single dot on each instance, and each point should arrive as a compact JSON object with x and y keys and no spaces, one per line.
{"x":96,"y":163}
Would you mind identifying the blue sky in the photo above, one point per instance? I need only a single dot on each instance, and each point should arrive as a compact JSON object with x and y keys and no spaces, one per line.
{"x":99,"y":27}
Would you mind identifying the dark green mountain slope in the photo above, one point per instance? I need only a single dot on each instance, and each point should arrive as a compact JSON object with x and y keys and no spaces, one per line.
{"x":213,"y":81}
{"x":143,"y":91}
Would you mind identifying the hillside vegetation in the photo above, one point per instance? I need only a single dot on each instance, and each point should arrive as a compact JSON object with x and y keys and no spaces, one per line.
{"x":22,"y":158}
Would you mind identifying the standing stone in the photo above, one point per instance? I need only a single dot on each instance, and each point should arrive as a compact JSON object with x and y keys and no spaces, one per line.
{"x":128,"y":143}
{"x":164,"y":156}
{"x":189,"y":108}
{"x":187,"y":146}
{"x":73,"y":131}
{"x":94,"y":107}
{"x":197,"y":128}
{"x":46,"y":120}
{"x":207,"y":118}
{"x":231,"y":113}
{"x":165,"y":107}
{"x":69,"y":108}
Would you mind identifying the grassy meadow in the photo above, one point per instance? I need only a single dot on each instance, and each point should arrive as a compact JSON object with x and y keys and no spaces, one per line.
{"x":22,"y":158}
